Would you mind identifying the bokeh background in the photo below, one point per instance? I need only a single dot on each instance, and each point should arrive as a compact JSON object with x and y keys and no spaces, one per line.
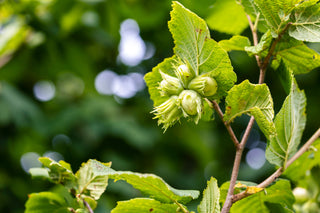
{"x":72,"y":88}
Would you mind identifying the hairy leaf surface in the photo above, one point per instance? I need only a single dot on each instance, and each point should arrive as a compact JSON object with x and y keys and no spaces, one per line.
{"x":276,"y":13}
{"x":306,"y":24}
{"x":251,"y":99}
{"x":289,"y":123}
{"x":144,"y":205}
{"x":93,"y":178}
{"x":211,"y":196}
{"x":156,"y":187}
{"x":295,"y":55}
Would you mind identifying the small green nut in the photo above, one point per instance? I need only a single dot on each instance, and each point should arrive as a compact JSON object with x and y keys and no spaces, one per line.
{"x":184,"y":74}
{"x":169,"y":85}
{"x":191,"y":102}
{"x":301,"y":194}
{"x":205,"y":85}
{"x":169,"y":112}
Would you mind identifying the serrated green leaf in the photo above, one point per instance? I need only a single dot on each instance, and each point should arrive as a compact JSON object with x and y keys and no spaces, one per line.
{"x":276,"y":13}
{"x":156,"y":187}
{"x":235,"y":43}
{"x":193,"y":46}
{"x":144,"y":205}
{"x":263,"y":46}
{"x":289,"y":123}
{"x":251,"y":99}
{"x":298,"y":169}
{"x":93,"y":178}
{"x":228,"y":17}
{"x":60,"y":173}
{"x":306,"y":24}
{"x":286,"y":77}
{"x":46,"y":202}
{"x":210,"y":200}
{"x":279,"y":193}
{"x":295,"y":55}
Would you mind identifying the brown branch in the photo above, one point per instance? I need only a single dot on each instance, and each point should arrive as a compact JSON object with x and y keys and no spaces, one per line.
{"x":254,"y":37}
{"x":247,"y":132}
{"x":217,"y":108}
{"x":266,"y":60}
{"x":236,"y":165}
{"x":279,"y":171}
{"x":263,"y":68}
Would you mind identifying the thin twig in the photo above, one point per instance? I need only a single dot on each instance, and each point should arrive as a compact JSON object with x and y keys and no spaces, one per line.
{"x":227,"y":125}
{"x":236,"y":166}
{"x":87,"y":206}
{"x":279,"y":171}
{"x":234,"y":176}
{"x":254,"y":37}
{"x":184,"y":210}
{"x":247,"y":132}
{"x":266,"y":60}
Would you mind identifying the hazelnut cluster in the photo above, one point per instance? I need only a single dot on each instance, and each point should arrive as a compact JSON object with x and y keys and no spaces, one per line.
{"x":186,"y":92}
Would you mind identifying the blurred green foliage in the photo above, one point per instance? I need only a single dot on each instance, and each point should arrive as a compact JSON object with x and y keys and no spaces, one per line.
{"x":69,"y":43}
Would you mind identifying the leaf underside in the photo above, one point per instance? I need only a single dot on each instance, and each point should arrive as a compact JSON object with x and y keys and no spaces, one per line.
{"x":211,"y":196}
{"x":289,"y":123}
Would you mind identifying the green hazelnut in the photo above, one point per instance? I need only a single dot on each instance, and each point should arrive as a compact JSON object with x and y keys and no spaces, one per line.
{"x":205,"y":85}
{"x":169,"y":85}
{"x":184,"y":74}
{"x":168,"y":113}
{"x":191,"y":102}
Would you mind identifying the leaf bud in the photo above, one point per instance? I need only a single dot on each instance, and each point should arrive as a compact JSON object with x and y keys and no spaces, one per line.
{"x":184,"y":74}
{"x":205,"y":85}
{"x":191,"y":102}
{"x":169,"y":85}
{"x":168,"y":112}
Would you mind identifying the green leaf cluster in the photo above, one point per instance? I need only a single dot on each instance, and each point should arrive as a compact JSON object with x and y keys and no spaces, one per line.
{"x":90,"y":182}
{"x":87,"y":185}
{"x":202,"y":55}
